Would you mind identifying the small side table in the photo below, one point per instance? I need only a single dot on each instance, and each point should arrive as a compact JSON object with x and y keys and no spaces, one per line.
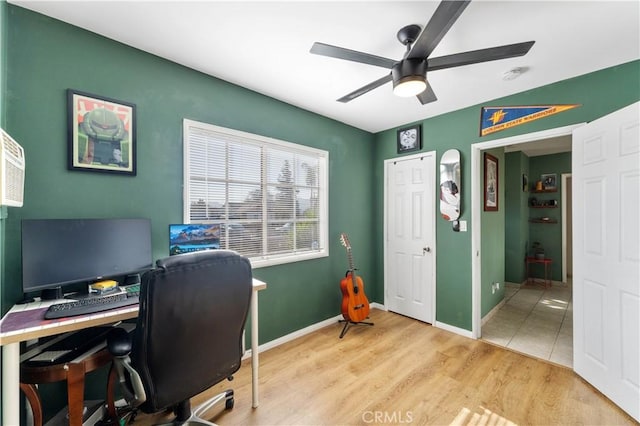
{"x":546,"y":283}
{"x":73,"y":372}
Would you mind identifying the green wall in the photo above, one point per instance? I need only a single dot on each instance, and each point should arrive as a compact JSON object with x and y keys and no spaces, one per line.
{"x":42,"y":57}
{"x":599,"y":93}
{"x":3,"y":73}
{"x":46,"y":57}
{"x":549,"y":234}
{"x":492,"y":243}
{"x":520,"y":233}
{"x":516,"y":216}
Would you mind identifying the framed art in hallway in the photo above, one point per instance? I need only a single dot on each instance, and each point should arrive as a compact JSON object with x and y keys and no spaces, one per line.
{"x":549,"y":181}
{"x":490,"y":183}
{"x":101,"y":134}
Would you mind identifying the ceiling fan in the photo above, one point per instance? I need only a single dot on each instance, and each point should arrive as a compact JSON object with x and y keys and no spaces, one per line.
{"x":409,"y":74}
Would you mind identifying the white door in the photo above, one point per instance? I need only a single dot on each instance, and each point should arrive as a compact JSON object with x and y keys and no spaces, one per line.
{"x":606,"y":263}
{"x":410,"y":236}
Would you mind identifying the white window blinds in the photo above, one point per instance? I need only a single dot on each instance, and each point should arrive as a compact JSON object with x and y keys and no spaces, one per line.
{"x":269,"y":196}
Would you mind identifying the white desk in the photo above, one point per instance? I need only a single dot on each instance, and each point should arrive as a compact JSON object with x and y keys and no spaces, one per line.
{"x":33,"y":326}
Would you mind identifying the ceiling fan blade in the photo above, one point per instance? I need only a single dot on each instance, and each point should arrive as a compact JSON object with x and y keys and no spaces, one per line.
{"x":369,"y":87}
{"x":428,"y":95}
{"x":477,"y":56}
{"x":443,"y":18}
{"x":351,"y":55}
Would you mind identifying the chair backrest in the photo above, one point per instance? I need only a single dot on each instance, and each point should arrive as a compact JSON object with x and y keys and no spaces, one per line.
{"x":193,"y":309}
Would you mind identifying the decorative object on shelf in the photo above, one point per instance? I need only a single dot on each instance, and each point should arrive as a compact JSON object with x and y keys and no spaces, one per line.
{"x":542,"y":204}
{"x":549,"y":181}
{"x":538,"y":250}
{"x":101,"y":134}
{"x":409,"y":139}
{"x":450,"y":185}
{"x":490,"y":183}
{"x":539,"y":186}
{"x":525,"y":183}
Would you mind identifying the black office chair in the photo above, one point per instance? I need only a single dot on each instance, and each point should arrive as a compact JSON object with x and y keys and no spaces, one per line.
{"x":188,"y":336}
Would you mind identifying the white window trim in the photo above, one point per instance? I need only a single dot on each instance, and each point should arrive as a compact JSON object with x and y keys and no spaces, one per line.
{"x":323,"y":179}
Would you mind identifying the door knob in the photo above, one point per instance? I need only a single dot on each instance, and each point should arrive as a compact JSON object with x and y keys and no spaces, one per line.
{"x":426,"y":250}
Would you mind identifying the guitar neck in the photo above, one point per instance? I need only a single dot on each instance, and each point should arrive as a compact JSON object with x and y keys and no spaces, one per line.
{"x":350,"y":258}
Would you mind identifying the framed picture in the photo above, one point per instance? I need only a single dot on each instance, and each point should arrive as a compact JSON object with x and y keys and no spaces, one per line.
{"x":101,"y":134}
{"x":525,"y":183}
{"x":549,"y":182}
{"x":490,"y":183}
{"x":410,"y":139}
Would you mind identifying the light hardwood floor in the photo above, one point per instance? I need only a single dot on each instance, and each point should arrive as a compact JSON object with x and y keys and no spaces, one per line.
{"x":403,"y":371}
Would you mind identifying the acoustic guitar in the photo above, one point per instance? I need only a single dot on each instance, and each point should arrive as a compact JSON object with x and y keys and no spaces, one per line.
{"x":355,"y":305}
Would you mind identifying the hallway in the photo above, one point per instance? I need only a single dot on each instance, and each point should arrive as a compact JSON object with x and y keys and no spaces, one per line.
{"x":535,"y":321}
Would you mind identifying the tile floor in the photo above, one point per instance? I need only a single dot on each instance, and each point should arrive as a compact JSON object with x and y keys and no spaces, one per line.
{"x":535,"y":321}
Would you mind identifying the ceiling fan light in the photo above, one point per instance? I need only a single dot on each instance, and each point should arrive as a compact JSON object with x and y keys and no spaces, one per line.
{"x":410,"y":86}
{"x":409,"y":77}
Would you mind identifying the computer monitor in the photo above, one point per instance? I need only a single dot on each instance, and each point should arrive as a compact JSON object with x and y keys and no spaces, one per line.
{"x":60,"y":252}
{"x":185,"y":238}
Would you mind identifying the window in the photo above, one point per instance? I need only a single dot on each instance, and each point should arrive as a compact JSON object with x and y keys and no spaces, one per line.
{"x":269,"y":196}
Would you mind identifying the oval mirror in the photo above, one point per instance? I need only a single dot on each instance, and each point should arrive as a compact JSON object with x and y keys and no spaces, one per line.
{"x":450,"y":185}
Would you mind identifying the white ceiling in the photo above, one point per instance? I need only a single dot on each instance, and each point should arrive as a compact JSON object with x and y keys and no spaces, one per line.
{"x":264,"y":46}
{"x":542,"y":147}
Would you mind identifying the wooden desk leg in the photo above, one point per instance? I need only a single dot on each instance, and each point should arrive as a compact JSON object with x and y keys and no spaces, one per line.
{"x":75,"y":393}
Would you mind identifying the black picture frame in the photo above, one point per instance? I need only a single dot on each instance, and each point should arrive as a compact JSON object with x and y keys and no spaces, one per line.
{"x":409,"y":139}
{"x":549,"y":181}
{"x":491,"y":182}
{"x":101,"y":134}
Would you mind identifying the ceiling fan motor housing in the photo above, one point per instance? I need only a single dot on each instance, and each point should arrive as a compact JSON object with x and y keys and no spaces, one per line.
{"x":408,"y":70}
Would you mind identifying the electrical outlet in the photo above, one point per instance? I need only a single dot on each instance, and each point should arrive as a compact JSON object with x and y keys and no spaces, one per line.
{"x":493,"y":288}
{"x":497,"y":286}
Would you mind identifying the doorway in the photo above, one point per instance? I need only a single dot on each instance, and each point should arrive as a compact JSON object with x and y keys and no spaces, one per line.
{"x":533,"y":317}
{"x":476,"y":205}
{"x":409,"y":229}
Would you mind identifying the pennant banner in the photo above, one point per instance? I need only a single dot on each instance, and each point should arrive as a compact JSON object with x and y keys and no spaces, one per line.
{"x":495,"y":119}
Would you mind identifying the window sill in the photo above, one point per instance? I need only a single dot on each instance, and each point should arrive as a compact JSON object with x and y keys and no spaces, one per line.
{"x":288,"y":258}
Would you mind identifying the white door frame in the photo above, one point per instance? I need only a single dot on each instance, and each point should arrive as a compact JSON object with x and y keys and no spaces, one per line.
{"x":476,"y":210}
{"x":565,"y":242}
{"x":432,"y":228}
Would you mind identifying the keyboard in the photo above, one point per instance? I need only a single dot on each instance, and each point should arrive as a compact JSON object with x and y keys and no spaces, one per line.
{"x":90,"y":305}
{"x":72,"y":346}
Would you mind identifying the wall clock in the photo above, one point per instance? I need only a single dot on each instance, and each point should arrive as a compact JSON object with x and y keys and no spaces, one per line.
{"x":409,"y":139}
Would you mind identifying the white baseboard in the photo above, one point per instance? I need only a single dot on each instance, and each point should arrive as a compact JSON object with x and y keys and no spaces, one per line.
{"x":454,"y":329}
{"x":378,"y":306}
{"x":447,"y":327}
{"x":303,"y":331}
{"x":493,"y":311}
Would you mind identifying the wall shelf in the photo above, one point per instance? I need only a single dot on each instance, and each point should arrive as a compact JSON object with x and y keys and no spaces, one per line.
{"x":543,"y":207}
{"x":543,"y":221}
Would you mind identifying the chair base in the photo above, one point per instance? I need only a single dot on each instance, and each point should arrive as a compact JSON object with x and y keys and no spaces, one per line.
{"x":194,"y":418}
